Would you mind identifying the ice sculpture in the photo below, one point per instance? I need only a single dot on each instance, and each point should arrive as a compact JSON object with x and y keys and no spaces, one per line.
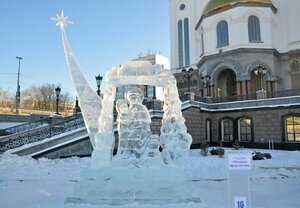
{"x":139,"y":171}
{"x":137,"y":147}
{"x":89,"y":101}
{"x":133,"y":128}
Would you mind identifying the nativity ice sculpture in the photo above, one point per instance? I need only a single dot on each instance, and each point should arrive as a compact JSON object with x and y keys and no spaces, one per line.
{"x":135,"y":138}
{"x":139,"y":171}
{"x":133,"y":128}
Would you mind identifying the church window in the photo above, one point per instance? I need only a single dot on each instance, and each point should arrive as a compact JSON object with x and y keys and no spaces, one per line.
{"x":182,"y":7}
{"x":245,"y":129}
{"x":180,"y":44}
{"x":292,"y":128}
{"x":202,"y":40}
{"x":254,"y":29}
{"x":227,"y":130}
{"x":186,"y":42}
{"x":222,"y":33}
{"x":208,"y":130}
{"x":295,"y":66}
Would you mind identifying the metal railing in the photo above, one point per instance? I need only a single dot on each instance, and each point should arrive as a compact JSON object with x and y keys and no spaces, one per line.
{"x":233,"y":98}
{"x":275,"y":94}
{"x":40,"y":133}
{"x":284,"y":93}
{"x":27,"y":126}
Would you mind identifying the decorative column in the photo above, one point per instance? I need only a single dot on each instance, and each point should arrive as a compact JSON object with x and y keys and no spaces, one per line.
{"x":248,"y":87}
{"x":244,"y":87}
{"x":208,"y":90}
{"x":204,"y":92}
{"x":238,"y":88}
{"x":269,"y":87}
{"x":212,"y":90}
{"x":273,"y":86}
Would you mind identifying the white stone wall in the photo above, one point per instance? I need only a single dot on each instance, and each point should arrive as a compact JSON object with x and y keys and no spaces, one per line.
{"x":280,"y":31}
{"x":193,"y":11}
{"x":237,"y":19}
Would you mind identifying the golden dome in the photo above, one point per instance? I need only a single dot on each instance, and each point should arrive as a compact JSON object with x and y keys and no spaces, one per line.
{"x":217,"y":5}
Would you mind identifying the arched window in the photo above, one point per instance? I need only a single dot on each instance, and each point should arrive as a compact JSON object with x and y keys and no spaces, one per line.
{"x":182,"y":7}
{"x":180,"y":44}
{"x":222,"y":33}
{"x":254,"y":29}
{"x":227,"y":130}
{"x":202,"y":41}
{"x":186,"y":42}
{"x":245,"y":129}
{"x":292,"y":128}
{"x":295,"y":66}
{"x":208,"y":129}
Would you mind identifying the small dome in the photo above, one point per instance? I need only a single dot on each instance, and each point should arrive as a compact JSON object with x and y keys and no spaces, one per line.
{"x":215,"y":5}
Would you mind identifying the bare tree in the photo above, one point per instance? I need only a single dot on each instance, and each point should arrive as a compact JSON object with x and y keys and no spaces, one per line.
{"x":44,"y":98}
{"x":6,"y":98}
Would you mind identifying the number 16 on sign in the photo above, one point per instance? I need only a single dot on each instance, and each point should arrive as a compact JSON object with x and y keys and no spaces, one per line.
{"x":240,"y":202}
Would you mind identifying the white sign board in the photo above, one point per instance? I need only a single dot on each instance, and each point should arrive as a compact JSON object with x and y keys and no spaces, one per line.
{"x":239,"y":161}
{"x":240,"y":202}
{"x":239,"y":167}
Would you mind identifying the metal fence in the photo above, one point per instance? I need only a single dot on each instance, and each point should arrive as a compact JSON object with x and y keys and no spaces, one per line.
{"x":275,"y":94}
{"x":284,"y":93}
{"x":27,"y":126}
{"x":40,"y":133}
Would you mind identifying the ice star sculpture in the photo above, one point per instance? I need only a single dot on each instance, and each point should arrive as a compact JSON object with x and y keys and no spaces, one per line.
{"x":89,"y":101}
{"x":99,"y":119}
{"x":61,"y":20}
{"x":139,"y":172}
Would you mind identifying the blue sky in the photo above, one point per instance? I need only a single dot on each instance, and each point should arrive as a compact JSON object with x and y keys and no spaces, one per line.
{"x":104,"y":33}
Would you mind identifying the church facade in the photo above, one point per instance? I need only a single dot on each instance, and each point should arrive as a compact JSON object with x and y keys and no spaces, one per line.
{"x":238,"y":60}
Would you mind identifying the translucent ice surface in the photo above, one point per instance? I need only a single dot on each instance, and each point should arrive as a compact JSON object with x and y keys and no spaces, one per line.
{"x":139,"y":171}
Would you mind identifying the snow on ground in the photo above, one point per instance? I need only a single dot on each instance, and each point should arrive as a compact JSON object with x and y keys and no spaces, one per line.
{"x":29,"y":183}
{"x":5,"y":125}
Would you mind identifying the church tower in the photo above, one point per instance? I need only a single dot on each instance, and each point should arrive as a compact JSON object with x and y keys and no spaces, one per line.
{"x":227,"y":40}
{"x":184,"y":15}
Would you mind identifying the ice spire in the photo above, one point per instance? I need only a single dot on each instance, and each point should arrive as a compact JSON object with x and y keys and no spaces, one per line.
{"x":89,"y":101}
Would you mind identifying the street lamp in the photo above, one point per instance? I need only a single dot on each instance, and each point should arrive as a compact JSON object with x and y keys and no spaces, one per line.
{"x":98,"y":81}
{"x":188,"y":75}
{"x":57,"y":91}
{"x":206,"y":80}
{"x":18,"y":93}
{"x":260,"y":73}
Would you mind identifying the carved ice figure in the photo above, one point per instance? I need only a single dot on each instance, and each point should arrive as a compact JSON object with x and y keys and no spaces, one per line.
{"x":133,"y":141}
{"x":174,"y":138}
{"x":107,"y":182}
{"x":123,"y":116}
{"x":105,"y":139}
{"x":137,"y":147}
{"x":124,"y":129}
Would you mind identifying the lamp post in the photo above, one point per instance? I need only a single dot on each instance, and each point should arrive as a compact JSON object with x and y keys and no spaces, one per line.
{"x":98,"y":81}
{"x":188,"y":75}
{"x":206,"y":80}
{"x":260,"y":73}
{"x":18,"y":93}
{"x":57,"y":91}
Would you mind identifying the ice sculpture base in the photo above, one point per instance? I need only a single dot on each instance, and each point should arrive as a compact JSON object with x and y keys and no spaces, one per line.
{"x":116,"y":186}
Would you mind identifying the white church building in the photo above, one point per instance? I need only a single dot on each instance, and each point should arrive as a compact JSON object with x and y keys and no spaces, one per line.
{"x":237,"y":68}
{"x":227,"y":40}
